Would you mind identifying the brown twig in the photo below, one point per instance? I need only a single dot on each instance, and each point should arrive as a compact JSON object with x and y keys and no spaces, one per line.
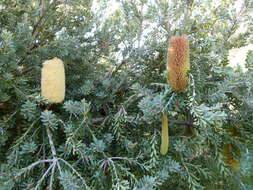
{"x":114,"y":70}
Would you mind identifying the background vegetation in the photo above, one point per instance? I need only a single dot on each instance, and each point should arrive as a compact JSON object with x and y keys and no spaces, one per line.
{"x":106,"y":134}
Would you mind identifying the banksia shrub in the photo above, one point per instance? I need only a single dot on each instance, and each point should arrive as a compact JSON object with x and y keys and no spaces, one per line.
{"x":178,"y":63}
{"x":165,"y":135}
{"x":53,"y":80}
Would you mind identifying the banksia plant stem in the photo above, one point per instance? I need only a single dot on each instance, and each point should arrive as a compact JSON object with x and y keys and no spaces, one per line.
{"x":165,"y":135}
{"x":178,"y":63}
{"x":53,"y":80}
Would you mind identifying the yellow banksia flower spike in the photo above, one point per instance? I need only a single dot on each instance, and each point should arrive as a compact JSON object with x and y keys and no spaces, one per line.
{"x":53,"y":80}
{"x":165,"y":135}
{"x":178,"y":63}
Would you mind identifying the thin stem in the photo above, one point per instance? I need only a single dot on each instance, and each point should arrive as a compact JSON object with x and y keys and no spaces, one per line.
{"x":23,"y":170}
{"x":169,"y":102}
{"x":71,"y":167}
{"x":44,"y":175}
{"x":52,"y":176}
{"x":49,"y":134}
{"x":24,"y":135}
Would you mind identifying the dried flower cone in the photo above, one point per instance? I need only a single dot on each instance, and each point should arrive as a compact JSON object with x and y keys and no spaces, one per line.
{"x":165,"y":135}
{"x":178,"y":63}
{"x":53,"y":80}
{"x":228,"y":151}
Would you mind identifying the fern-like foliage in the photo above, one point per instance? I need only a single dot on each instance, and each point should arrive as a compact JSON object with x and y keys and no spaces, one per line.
{"x":107,"y":132}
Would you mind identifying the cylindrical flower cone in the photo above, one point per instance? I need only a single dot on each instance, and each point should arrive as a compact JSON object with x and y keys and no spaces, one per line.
{"x":178,"y":63}
{"x":165,"y":135}
{"x":53,"y":80}
{"x":228,"y":151}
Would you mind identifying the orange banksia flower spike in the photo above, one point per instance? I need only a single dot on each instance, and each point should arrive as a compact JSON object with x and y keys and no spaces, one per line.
{"x":178,"y":63}
{"x":53,"y":80}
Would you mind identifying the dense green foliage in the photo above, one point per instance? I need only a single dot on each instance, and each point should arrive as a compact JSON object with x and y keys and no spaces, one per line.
{"x":106,"y":134}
